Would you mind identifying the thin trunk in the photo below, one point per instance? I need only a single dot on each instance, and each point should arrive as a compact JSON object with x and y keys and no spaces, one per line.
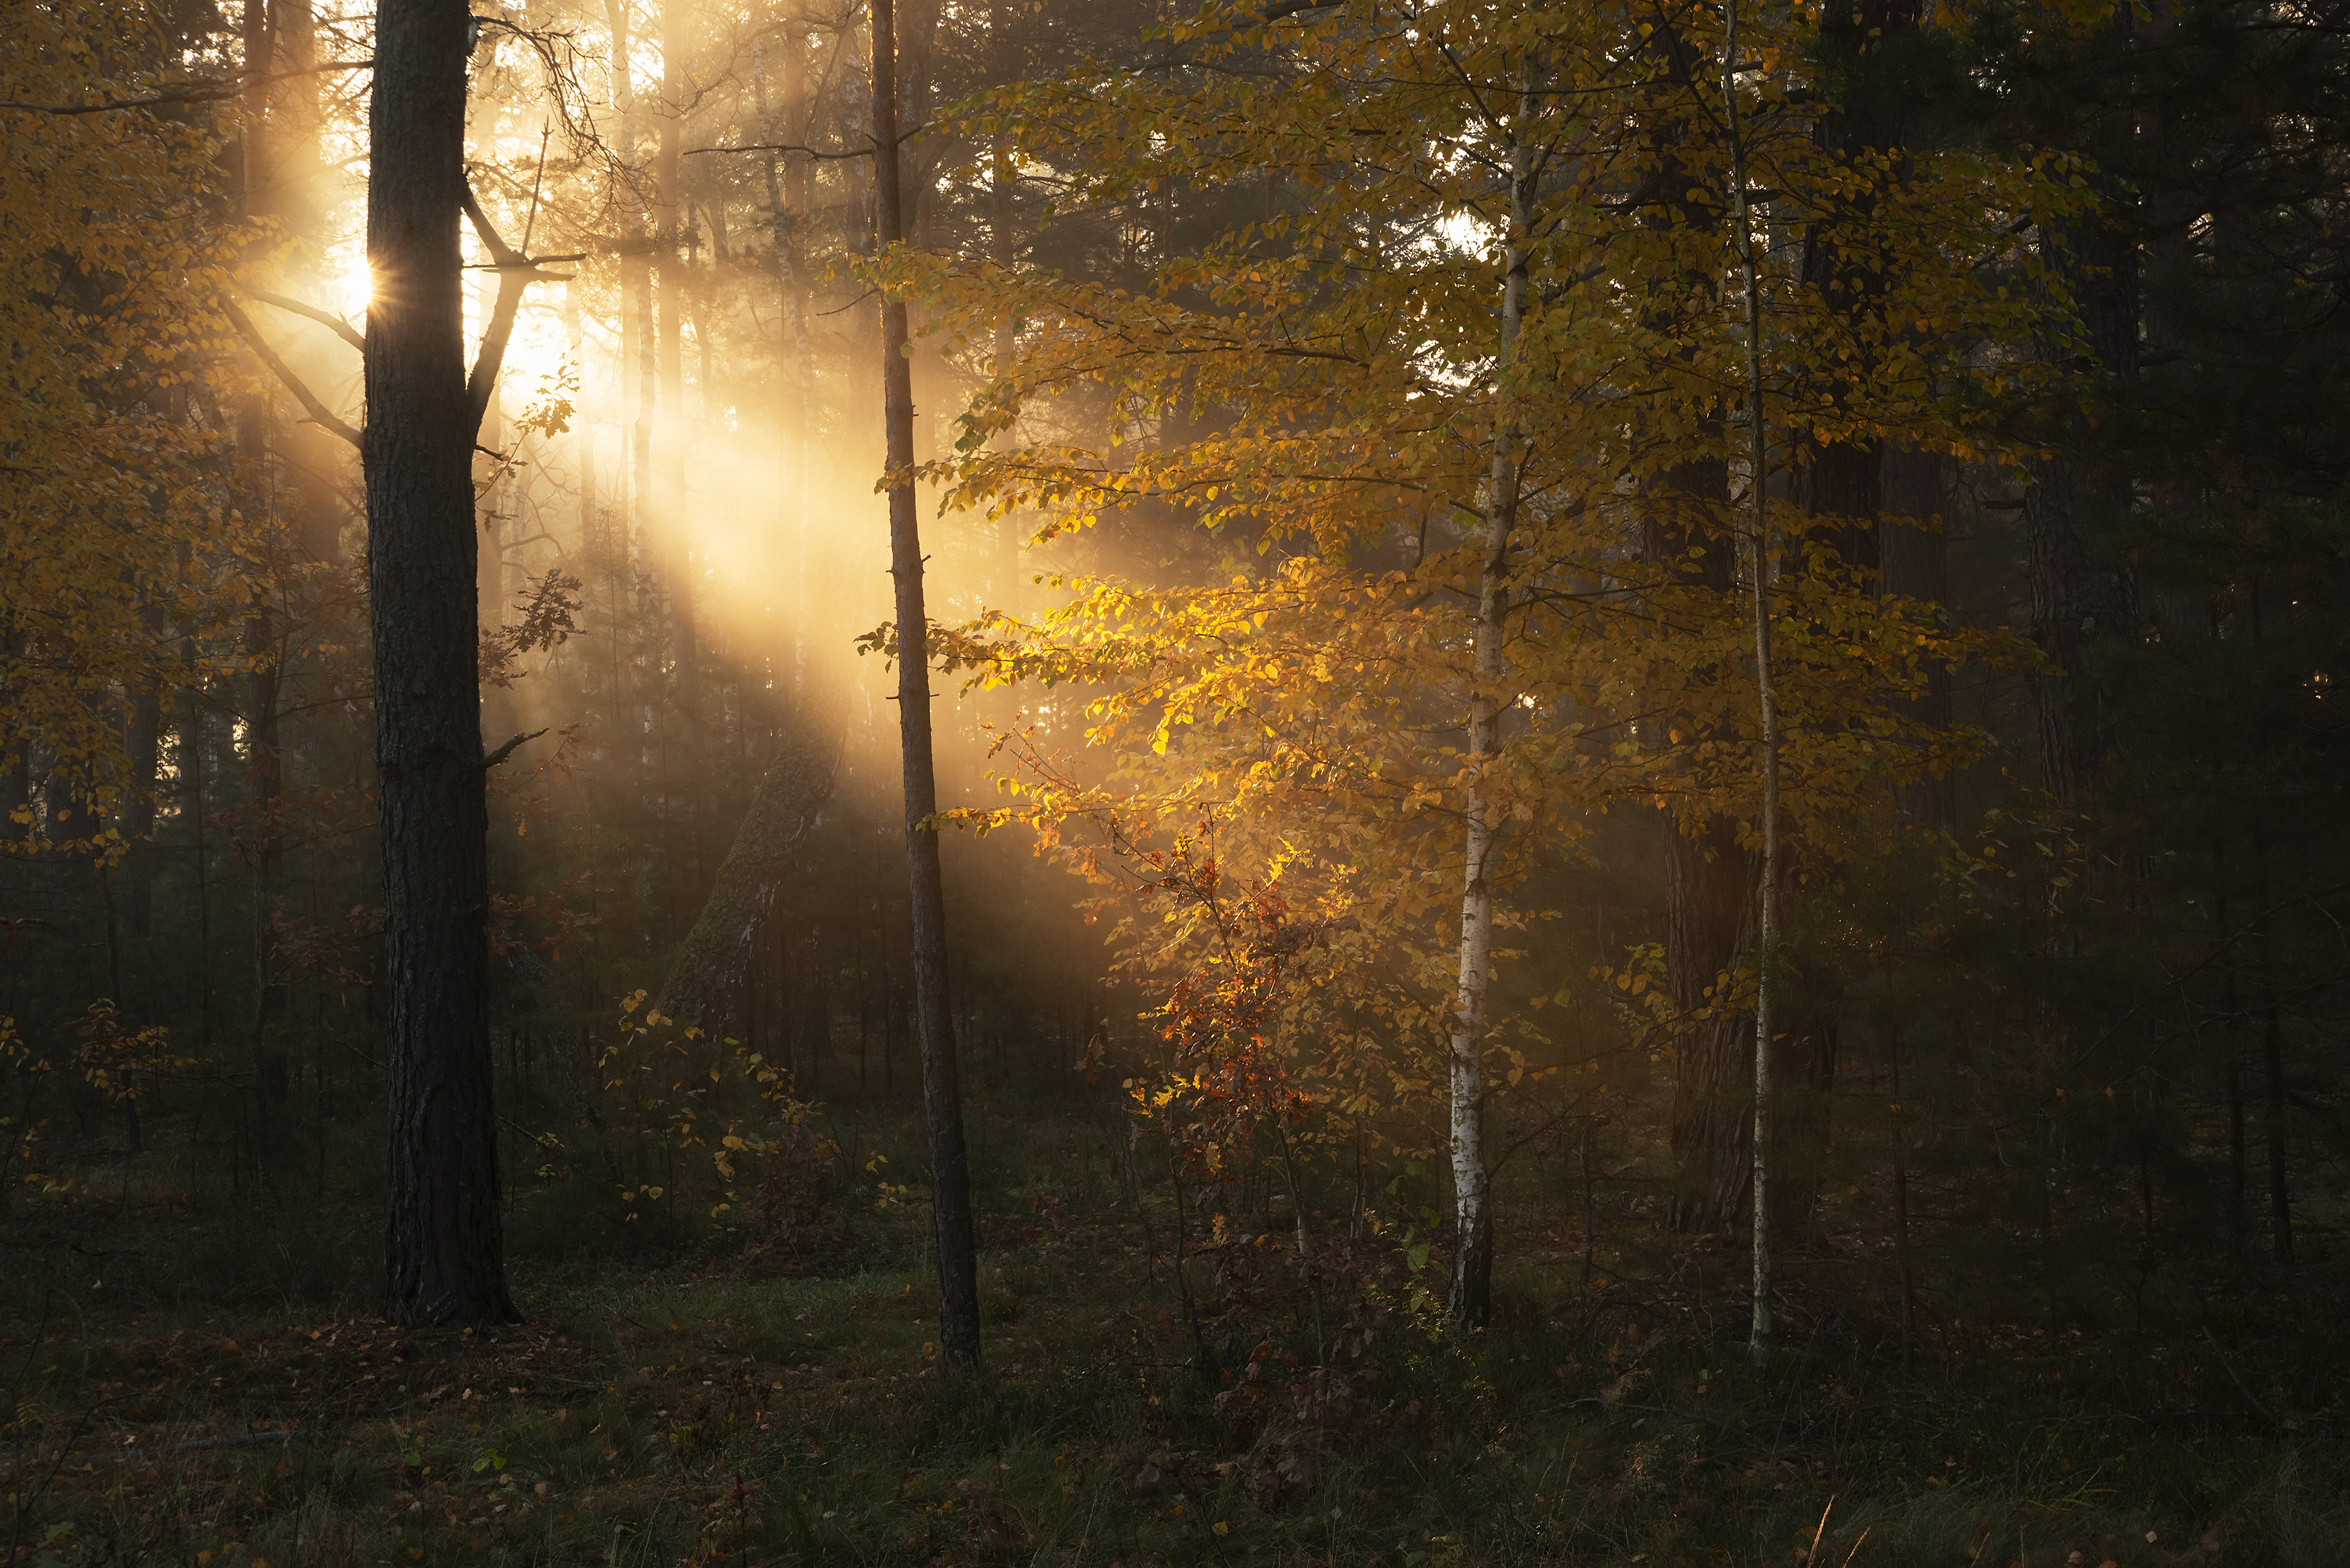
{"x":2272,"y":1051}
{"x":1914,"y":558}
{"x":2230,"y":1059}
{"x":1901,"y":1204}
{"x":143,"y":739}
{"x":788,"y":219}
{"x":1765,"y":687}
{"x":444,"y":1257}
{"x":942,"y":1095}
{"x":1471,"y":1302}
{"x":668,"y":429}
{"x":1002,"y":251}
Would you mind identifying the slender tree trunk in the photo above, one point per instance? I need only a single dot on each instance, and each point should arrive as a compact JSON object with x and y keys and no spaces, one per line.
{"x":2271,"y":1050}
{"x":1914,"y":557}
{"x":789,"y":217}
{"x":143,"y":740}
{"x":445,"y":1258}
{"x":2230,"y":1059}
{"x":1471,"y":1303}
{"x":942,"y":1095}
{"x":669,"y":434}
{"x":1766,"y":982}
{"x":1902,"y":1254}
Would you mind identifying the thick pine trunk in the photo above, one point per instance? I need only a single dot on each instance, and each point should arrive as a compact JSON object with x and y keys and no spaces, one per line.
{"x":934,"y":1017}
{"x":443,"y":1246}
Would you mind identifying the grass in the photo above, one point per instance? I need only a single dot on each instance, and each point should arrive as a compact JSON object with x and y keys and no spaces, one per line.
{"x":681,"y":1398}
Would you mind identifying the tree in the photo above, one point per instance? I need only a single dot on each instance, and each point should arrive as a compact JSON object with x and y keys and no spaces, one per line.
{"x":444,"y":1241}
{"x":941,"y":1090}
{"x":1417,"y":473}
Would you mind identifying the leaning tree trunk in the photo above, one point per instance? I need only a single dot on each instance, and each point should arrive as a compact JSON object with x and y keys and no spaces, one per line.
{"x":444,"y":1257}
{"x":941,"y":1092}
{"x":708,"y":976}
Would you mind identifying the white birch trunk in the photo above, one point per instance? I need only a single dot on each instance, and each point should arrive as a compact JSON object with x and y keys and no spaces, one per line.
{"x":1471,"y":1300}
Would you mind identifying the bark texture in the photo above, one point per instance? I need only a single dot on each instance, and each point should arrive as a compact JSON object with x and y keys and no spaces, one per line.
{"x":708,"y":975}
{"x":1472,"y":1295}
{"x":934,"y":1017}
{"x":443,"y":1242}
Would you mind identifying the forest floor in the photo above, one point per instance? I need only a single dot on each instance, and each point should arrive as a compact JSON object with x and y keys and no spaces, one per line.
{"x":211,"y":1390}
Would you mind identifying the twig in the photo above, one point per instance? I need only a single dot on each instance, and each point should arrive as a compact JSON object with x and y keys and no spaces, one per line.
{"x":817,"y":153}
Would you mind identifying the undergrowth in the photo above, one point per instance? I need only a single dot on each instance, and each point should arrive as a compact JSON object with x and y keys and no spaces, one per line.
{"x":213,"y":1388}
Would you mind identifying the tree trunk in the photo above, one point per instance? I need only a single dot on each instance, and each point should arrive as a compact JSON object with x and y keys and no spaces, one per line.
{"x":143,"y":740}
{"x":1709,"y":878}
{"x":708,"y":975}
{"x":668,"y":430}
{"x":1471,"y":1303}
{"x":444,"y":1256}
{"x":2080,"y":593}
{"x":1914,"y":561}
{"x":942,"y":1095}
{"x":1766,"y":982}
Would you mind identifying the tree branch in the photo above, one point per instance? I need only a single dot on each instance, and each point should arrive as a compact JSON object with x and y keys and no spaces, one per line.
{"x":503,"y":753}
{"x":192,"y":92}
{"x":320,"y":414}
{"x":328,"y":319}
{"x":515,"y":272}
{"x":816,"y":153}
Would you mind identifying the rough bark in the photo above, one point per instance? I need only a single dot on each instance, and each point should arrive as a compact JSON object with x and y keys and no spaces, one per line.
{"x":709,"y":973}
{"x":443,"y":1242}
{"x":934,"y":1017}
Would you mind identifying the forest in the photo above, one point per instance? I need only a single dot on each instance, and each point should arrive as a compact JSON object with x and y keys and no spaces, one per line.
{"x":1220,"y":781}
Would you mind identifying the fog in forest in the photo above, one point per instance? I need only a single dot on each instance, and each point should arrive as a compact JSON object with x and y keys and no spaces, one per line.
{"x":1636,"y":850}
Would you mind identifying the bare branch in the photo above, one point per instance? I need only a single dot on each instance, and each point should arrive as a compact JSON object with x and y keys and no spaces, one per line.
{"x":821,"y":153}
{"x":191,"y":92}
{"x":319,"y":411}
{"x":503,"y":753}
{"x":328,"y":319}
{"x":515,"y":272}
